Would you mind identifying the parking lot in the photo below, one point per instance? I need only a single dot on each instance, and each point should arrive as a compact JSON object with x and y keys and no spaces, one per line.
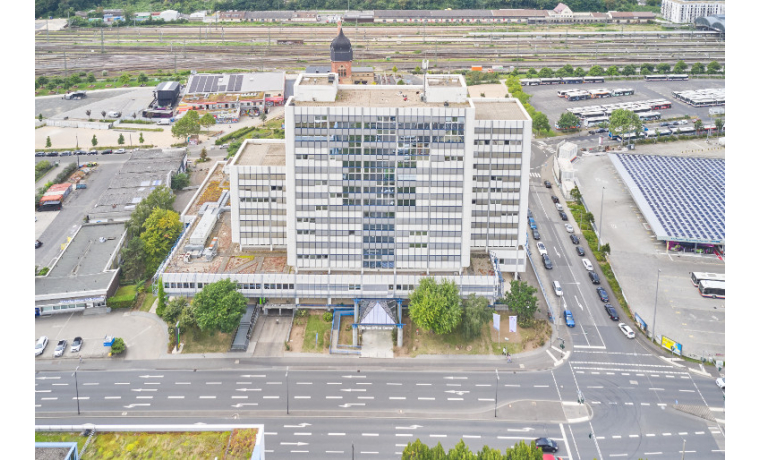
{"x":545,"y":98}
{"x":125,"y":100}
{"x":682,"y":314}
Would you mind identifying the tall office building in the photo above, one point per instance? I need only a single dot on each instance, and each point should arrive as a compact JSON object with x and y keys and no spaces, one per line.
{"x":685,"y":11}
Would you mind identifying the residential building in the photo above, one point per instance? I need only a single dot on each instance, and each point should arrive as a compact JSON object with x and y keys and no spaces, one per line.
{"x":686,"y":11}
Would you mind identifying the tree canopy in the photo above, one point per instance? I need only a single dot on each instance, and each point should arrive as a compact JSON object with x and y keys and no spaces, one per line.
{"x":596,"y":71}
{"x":624,"y":121}
{"x":541,"y":122}
{"x":568,"y":120}
{"x":475,"y":313}
{"x":521,"y":451}
{"x":521,"y":299}
{"x":162,"y":228}
{"x":436,"y":307}
{"x":162,"y":197}
{"x":187,"y":125}
{"x":219,"y":306}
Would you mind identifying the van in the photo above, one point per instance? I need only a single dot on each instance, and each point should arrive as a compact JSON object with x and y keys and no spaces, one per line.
{"x":557,"y":288}
{"x":114,"y":114}
{"x":164,"y":121}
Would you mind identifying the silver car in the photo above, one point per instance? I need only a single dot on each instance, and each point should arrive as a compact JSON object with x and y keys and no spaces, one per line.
{"x":76,"y":345}
{"x":39,"y":347}
{"x":60,"y":348}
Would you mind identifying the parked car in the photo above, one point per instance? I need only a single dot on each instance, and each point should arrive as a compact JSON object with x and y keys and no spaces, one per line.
{"x":532,"y":223}
{"x":611,"y":312}
{"x":106,"y":152}
{"x":721,"y":382}
{"x":541,"y":248}
{"x":66,"y":153}
{"x":575,"y":239}
{"x":39,"y":347}
{"x":76,"y":345}
{"x":536,"y":235}
{"x":587,"y":263}
{"x":627,"y":331}
{"x":547,"y":262}
{"x":602,"y":130}
{"x":555,"y":199}
{"x":580,"y":251}
{"x":546,"y":444}
{"x":530,"y":213}
{"x":60,"y":348}
{"x":557,"y":288}
{"x":558,"y":206}
{"x":92,"y":152}
{"x":39,"y":154}
{"x":37,"y":244}
{"x":120,"y":151}
{"x":592,"y":132}
{"x":79,"y":152}
{"x":569,"y":228}
{"x":602,"y":294}
{"x":569,"y":320}
{"x":665,"y":123}
{"x":594,"y":278}
{"x":547,"y":184}
{"x":51,"y":154}
{"x":562,"y":215}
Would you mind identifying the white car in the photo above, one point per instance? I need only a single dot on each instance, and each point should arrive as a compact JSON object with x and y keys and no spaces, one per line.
{"x":587,"y":264}
{"x":569,"y":228}
{"x":627,"y":330}
{"x":39,"y":347}
{"x":721,"y":382}
{"x":541,"y":248}
{"x":558,"y":206}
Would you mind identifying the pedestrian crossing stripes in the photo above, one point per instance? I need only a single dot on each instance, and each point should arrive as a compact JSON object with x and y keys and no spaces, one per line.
{"x":537,"y":175}
{"x":622,"y":364}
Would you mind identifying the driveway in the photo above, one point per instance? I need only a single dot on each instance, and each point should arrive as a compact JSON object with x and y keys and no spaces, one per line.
{"x":145,"y":335}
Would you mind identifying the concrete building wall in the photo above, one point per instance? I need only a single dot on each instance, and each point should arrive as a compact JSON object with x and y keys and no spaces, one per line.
{"x":685,"y":11}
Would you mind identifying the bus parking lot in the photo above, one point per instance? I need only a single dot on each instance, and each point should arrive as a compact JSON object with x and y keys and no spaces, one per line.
{"x":544,"y":98}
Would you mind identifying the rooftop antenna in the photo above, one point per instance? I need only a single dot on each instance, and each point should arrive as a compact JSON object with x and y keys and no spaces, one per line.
{"x":424,"y":78}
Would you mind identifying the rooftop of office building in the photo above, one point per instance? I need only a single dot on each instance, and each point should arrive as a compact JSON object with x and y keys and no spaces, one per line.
{"x":509,"y":109}
{"x":401,"y":96}
{"x":261,"y":152}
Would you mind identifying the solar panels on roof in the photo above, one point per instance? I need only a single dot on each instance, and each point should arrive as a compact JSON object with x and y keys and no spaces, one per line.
{"x":685,"y":195}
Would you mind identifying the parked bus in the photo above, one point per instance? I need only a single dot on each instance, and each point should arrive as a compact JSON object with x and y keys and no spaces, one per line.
{"x":563,"y":92}
{"x":530,"y":82}
{"x":586,"y":115}
{"x":550,"y":81}
{"x":696,"y":277}
{"x":655,"y":78}
{"x":660,"y":105}
{"x":678,"y":77}
{"x":712,"y":289}
{"x":595,"y":121}
{"x":578,"y":96}
{"x":571,"y":80}
{"x":649,"y":116}
{"x":688,"y":131}
{"x":622,"y":92}
{"x":593,"y":79}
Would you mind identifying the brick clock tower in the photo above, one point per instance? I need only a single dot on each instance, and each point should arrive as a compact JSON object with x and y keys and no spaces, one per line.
{"x":341,"y":56}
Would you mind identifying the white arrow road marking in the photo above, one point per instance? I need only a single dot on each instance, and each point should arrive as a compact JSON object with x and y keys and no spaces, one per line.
{"x":410,"y":427}
{"x":250,"y":376}
{"x":244,"y":404}
{"x":135,"y":405}
{"x":300,"y":425}
{"x":351,"y":404}
{"x":580,"y":305}
{"x":48,"y":378}
{"x":151,"y":376}
{"x":294,"y":443}
{"x":353,"y":389}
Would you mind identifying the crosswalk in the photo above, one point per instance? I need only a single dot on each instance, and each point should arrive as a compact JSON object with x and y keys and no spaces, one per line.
{"x":535,"y":174}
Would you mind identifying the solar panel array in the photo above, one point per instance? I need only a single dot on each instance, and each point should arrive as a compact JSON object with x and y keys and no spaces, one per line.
{"x":687,"y":195}
{"x":210,"y":84}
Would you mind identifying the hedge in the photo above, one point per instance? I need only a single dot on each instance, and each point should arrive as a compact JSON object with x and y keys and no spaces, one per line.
{"x":126,"y":299}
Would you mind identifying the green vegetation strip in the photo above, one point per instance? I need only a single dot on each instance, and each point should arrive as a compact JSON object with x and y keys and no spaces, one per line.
{"x":316,"y":325}
{"x":41,"y":168}
{"x":198,"y":341}
{"x":129,"y":128}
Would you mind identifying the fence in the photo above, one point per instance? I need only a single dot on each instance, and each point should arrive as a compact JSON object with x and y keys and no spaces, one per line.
{"x":541,"y":285}
{"x":338,"y":314}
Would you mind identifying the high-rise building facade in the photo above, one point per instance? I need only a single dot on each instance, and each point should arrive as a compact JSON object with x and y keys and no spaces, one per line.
{"x":685,"y":11}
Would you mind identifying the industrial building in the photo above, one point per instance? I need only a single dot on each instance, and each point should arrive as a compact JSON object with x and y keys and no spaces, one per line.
{"x":138,"y":177}
{"x":229,"y":96}
{"x":373,"y":188}
{"x":85,"y":274}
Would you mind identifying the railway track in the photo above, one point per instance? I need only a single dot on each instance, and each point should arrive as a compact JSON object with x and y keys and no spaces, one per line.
{"x":209,"y":48}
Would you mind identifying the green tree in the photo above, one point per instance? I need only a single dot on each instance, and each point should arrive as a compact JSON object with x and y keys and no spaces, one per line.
{"x":436,"y":307}
{"x":568,"y":69}
{"x":142,"y":78}
{"x":605,"y":250}
{"x":698,"y":125}
{"x":39,"y":117}
{"x":612,"y":70}
{"x":42,"y":80}
{"x":94,"y":140}
{"x":75,"y":80}
{"x":567,"y":120}
{"x":576,"y":194}
{"x":219,"y":306}
{"x":141,"y":138}
{"x":133,"y":259}
{"x":417,"y":70}
{"x":187,"y":125}
{"x":545,"y":73}
{"x":416,"y":451}
{"x":180,"y":181}
{"x":541,"y":122}
{"x":204,"y":155}
{"x":697,"y":68}
{"x":630,"y":69}
{"x":624,"y":121}
{"x":680,"y":67}
{"x":124,"y":78}
{"x":394,"y":69}
{"x":646,"y":69}
{"x":162,"y":197}
{"x":162,"y":228}
{"x":719,"y":124}
{"x":120,"y":141}
{"x":174,"y":309}
{"x":48,"y":144}
{"x":161,"y":298}
{"x":663,"y":68}
{"x":521,"y":300}
{"x":118,"y":347}
{"x":579,"y":72}
{"x":207,"y":120}
{"x":713,"y":67}
{"x":531,"y":73}
{"x":90,"y":78}
{"x":475,"y":313}
{"x":596,"y":71}
{"x":561,"y":73}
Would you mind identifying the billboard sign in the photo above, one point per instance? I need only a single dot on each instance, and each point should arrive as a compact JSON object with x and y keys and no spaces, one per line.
{"x":671,"y":345}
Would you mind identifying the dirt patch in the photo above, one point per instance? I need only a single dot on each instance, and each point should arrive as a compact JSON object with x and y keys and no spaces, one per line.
{"x":274,"y":265}
{"x":297,"y":333}
{"x":346,"y":334}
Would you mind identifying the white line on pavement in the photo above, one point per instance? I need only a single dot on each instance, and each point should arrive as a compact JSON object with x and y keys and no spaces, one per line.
{"x":144,"y":397}
{"x":179,"y":397}
{"x":338,"y":434}
{"x":421,"y":398}
{"x":389,"y":383}
{"x":370,"y":434}
{"x":397,"y":397}
{"x":455,"y":399}
{"x":303,"y":383}
{"x":239,"y":397}
{"x":271,"y":397}
{"x":437,"y":435}
{"x":404,"y":435}
{"x":206,"y":397}
{"x":60,"y":384}
{"x":90,"y":384}
{"x":48,"y":399}
{"x":302,"y":397}
{"x":113,"y":397}
{"x":182,"y":383}
{"x":467,"y":436}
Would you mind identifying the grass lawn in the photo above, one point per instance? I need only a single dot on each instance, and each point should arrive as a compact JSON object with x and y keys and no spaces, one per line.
{"x":59,"y":436}
{"x":147,"y":301}
{"x":316,"y":325}
{"x":197,"y":341}
{"x":126,"y":291}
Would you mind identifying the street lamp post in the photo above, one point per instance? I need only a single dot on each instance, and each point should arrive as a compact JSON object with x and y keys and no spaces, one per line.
{"x":76,"y":387}
{"x":601,"y":214}
{"x":654,"y":317}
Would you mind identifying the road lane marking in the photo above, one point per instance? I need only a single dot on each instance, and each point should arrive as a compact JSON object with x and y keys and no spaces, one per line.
{"x":213,"y":383}
{"x":338,"y":434}
{"x":389,"y":383}
{"x":405,"y":435}
{"x":424,"y":384}
{"x":483,"y":385}
{"x":271,"y":397}
{"x":81,"y":397}
{"x":699,"y":432}
{"x":397,"y":397}
{"x":245,"y":383}
{"x":649,"y":435}
{"x":206,"y":397}
{"x":422,"y":398}
{"x":302,"y":397}
{"x":370,"y":434}
{"x":239,"y":397}
{"x":333,"y":397}
{"x":666,"y":434}
{"x":303,"y":383}
{"x":437,"y":435}
{"x":616,"y":437}
{"x":652,"y":453}
{"x":90,"y":384}
{"x":686,"y":391}
{"x":42,"y":391}
{"x":485,"y":399}
{"x":302,"y":434}
{"x":455,"y":399}
{"x":366,"y":397}
{"x":471,"y":436}
{"x":60,"y":384}
{"x":152,"y":383}
{"x":633,"y":436}
{"x":178,"y":397}
{"x":683,"y":433}
{"x":182,"y":383}
{"x":113,"y":397}
{"x":363,"y":452}
{"x":657,"y":389}
{"x":540,"y":386}
{"x":644,"y":404}
{"x":335,"y":383}
{"x":144,"y":397}
{"x":512,"y":385}
{"x":595,"y":386}
{"x":48,"y":399}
